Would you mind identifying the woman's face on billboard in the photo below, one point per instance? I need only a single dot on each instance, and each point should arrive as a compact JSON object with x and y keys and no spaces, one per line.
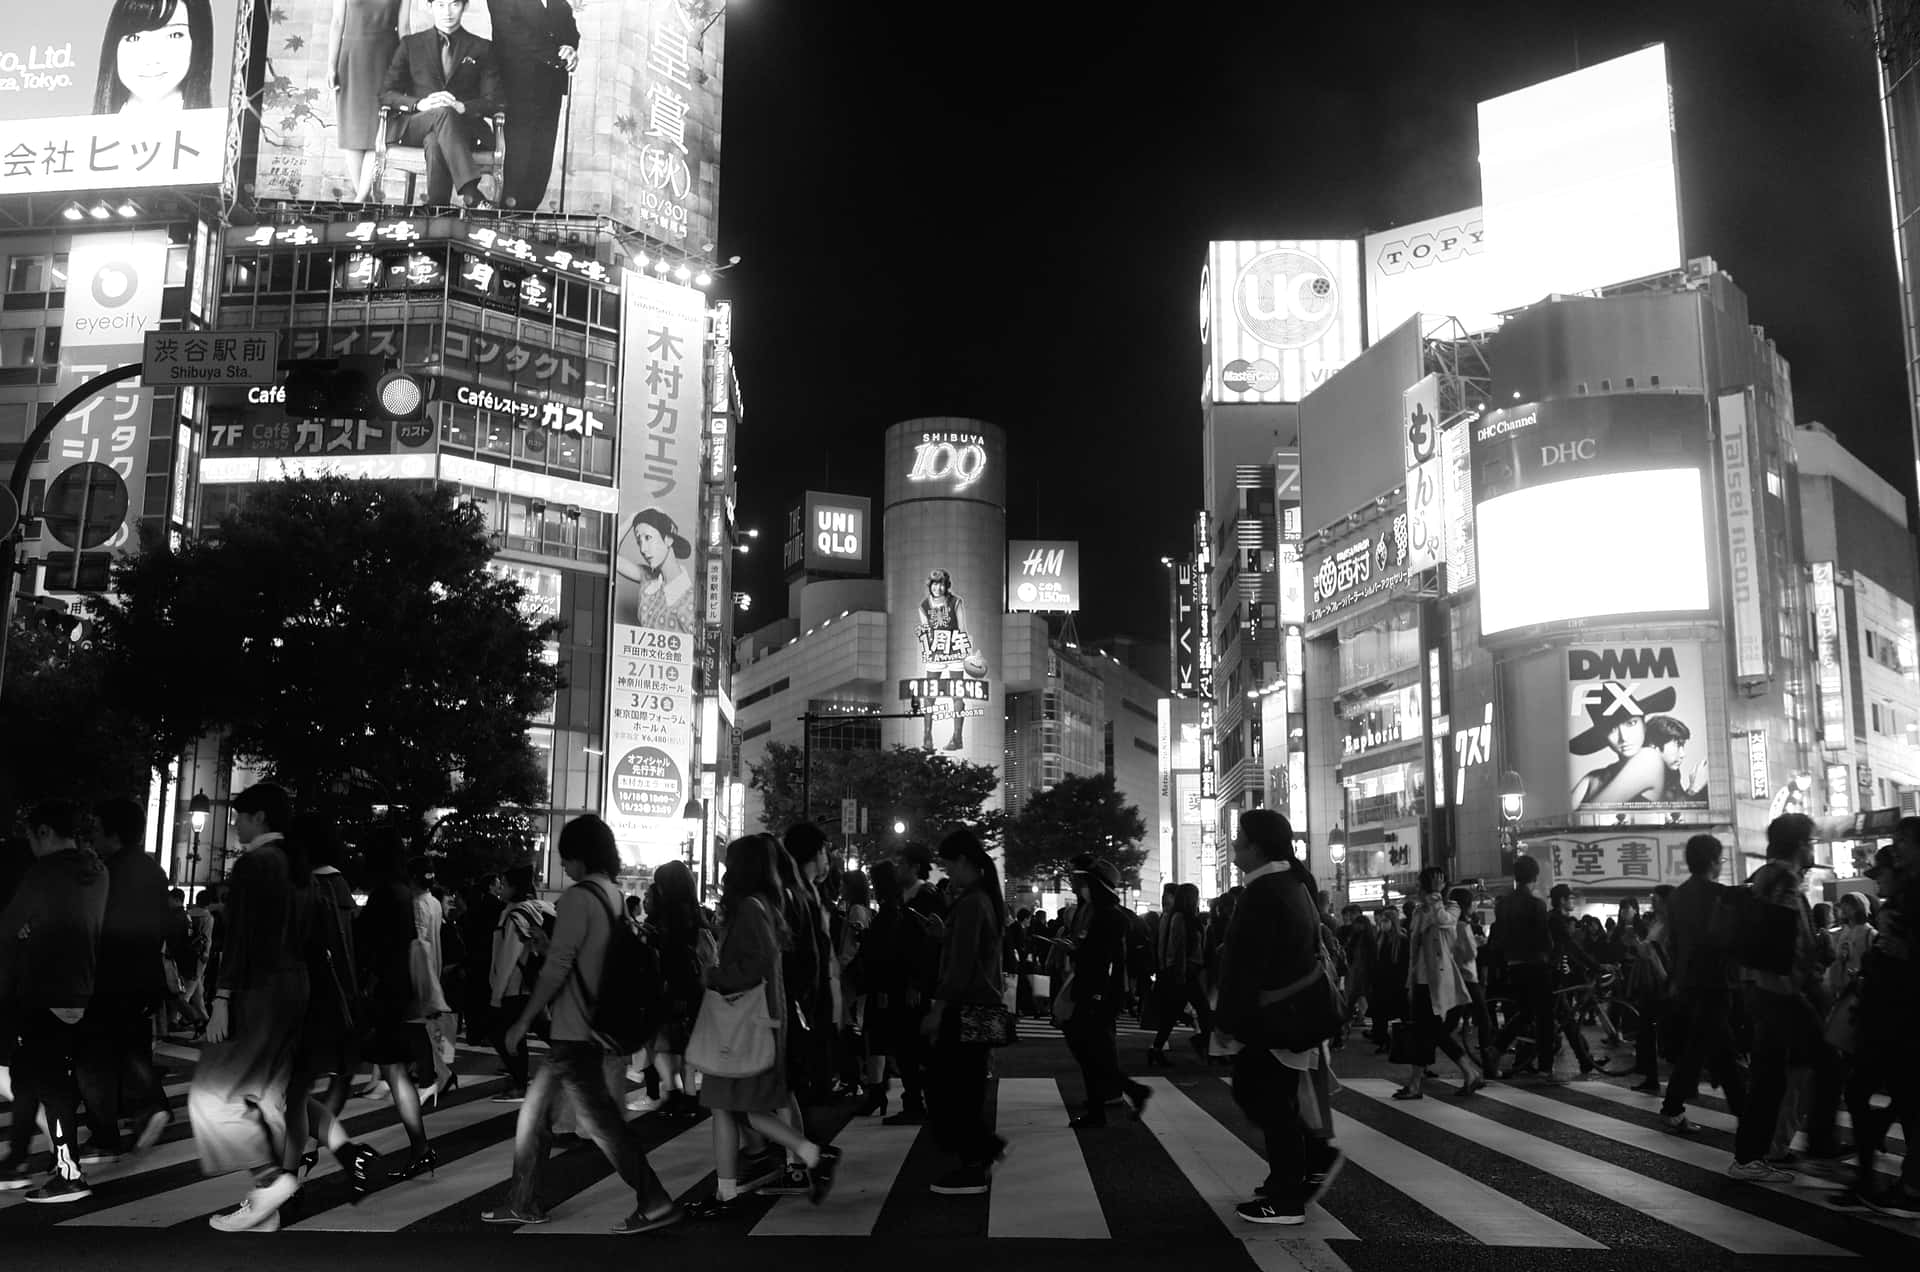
{"x":153,"y":64}
{"x":653,"y":547}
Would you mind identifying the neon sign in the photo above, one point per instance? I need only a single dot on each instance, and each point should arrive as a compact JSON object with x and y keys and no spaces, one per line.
{"x":960,"y":458}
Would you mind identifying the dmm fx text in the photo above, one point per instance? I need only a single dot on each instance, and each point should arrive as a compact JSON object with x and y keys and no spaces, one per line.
{"x":1622,"y":666}
{"x":956,"y":457}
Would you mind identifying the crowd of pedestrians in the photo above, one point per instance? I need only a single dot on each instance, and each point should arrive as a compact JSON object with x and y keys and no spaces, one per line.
{"x":808,"y":983}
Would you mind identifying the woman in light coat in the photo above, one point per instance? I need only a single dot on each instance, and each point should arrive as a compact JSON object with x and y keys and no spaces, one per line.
{"x":1435,"y":986}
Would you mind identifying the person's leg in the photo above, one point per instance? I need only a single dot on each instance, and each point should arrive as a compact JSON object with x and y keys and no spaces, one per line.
{"x":518,"y":1061}
{"x":581,"y":1070}
{"x":532,"y":1139}
{"x":299,"y":1124}
{"x":1169,"y":998}
{"x":533,"y":107}
{"x":1268,"y":1092}
{"x":1825,"y":1090}
{"x":406,"y":1102}
{"x":43,"y":1067}
{"x":98,"y":1053}
{"x":1768,"y":1080}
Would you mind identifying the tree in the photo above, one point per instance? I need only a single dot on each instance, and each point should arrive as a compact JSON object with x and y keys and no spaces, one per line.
{"x":1076,"y":815}
{"x":473,"y":845}
{"x":62,"y":732}
{"x":930,"y":792}
{"x":350,"y":639}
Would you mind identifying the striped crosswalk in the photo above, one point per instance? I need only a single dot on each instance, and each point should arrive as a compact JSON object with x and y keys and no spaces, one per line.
{"x":1539,"y":1169}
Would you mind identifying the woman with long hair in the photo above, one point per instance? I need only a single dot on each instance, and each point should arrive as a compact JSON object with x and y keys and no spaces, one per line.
{"x":881,"y":975}
{"x":678,"y":929}
{"x":396,"y":1008}
{"x":1435,"y":986}
{"x":156,"y":55}
{"x":969,"y":975}
{"x":1182,"y":963}
{"x":754,"y":933}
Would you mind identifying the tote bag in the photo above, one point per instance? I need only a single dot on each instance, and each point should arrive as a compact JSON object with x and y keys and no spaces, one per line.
{"x":733,"y":1034}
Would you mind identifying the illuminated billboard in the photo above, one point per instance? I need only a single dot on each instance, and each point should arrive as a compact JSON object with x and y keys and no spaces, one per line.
{"x":1425,"y":496}
{"x":839,"y":531}
{"x":1278,"y":317}
{"x":1591,"y":507}
{"x":615,"y":106}
{"x":656,"y":603}
{"x":1437,"y":266}
{"x":1578,"y":180}
{"x":114,"y":94}
{"x":1043,"y":576}
{"x":1633,"y":712}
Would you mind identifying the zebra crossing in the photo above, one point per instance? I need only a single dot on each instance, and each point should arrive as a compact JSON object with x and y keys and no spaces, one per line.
{"x":1512,"y":1170}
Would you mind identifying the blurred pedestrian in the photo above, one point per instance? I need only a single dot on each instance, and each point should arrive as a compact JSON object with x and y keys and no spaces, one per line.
{"x":969,"y":977}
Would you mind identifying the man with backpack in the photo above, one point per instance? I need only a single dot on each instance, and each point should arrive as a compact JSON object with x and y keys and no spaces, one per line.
{"x":603,"y":987}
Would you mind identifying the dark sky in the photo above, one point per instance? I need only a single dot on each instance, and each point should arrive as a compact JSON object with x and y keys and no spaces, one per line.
{"x":1000,"y":210}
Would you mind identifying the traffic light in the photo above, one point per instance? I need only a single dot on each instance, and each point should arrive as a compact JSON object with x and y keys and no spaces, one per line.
{"x":359,"y":388}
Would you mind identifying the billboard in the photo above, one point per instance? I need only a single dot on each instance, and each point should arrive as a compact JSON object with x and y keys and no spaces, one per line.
{"x":1043,"y":575}
{"x":115,"y":282}
{"x":1830,"y":669}
{"x":616,"y":103}
{"x":1578,"y":180}
{"x":1425,"y":498}
{"x":1437,"y":266}
{"x":1632,"y":712}
{"x":1343,"y":572}
{"x":1742,"y":512}
{"x":655,"y":598}
{"x":1279,"y":316}
{"x":839,"y":530}
{"x":1590,"y":507}
{"x":114,"y":94}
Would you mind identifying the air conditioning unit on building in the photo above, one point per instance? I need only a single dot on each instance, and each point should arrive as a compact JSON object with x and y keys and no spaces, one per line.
{"x":1910,"y":803}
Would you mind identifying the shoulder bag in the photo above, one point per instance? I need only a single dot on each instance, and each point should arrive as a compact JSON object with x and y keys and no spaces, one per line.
{"x":734,"y":1034}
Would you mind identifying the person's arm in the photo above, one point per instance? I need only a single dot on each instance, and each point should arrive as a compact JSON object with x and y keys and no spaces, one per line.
{"x":569,"y":32}
{"x":335,"y":26}
{"x":962,"y":954}
{"x":397,"y":90}
{"x":508,"y":947}
{"x":486,"y":101}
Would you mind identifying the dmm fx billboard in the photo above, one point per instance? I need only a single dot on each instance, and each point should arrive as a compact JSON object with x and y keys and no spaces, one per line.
{"x":114,"y":94}
{"x":839,"y":533}
{"x":1632,"y":713}
{"x":1591,"y":507}
{"x":1043,"y":575}
{"x":656,"y":608}
{"x":1278,"y":317}
{"x":115,"y":283}
{"x":623,"y":98}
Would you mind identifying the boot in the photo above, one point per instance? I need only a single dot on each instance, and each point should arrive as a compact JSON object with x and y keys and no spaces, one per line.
{"x":875,"y":1103}
{"x":959,"y":738}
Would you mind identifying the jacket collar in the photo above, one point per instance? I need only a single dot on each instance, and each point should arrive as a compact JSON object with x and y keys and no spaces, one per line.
{"x":1261,"y":872}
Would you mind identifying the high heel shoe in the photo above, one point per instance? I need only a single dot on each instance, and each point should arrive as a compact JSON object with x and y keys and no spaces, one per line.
{"x":875,"y":1105}
{"x":431,"y":1096}
{"x":360,"y":1163}
{"x":307,"y":1162}
{"x":424,"y":1162}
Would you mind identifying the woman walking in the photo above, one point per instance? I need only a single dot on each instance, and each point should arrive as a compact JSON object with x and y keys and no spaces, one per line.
{"x":1182,"y":962}
{"x":518,"y":940}
{"x":753,"y":933}
{"x":1435,"y":986}
{"x":678,"y":930}
{"x":238,"y":1101}
{"x":969,"y":976}
{"x":882,"y":975}
{"x":395,"y":996}
{"x":1466,"y":956}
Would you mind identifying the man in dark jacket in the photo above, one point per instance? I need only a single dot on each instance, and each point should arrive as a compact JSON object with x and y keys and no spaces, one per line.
{"x":1273,"y":942}
{"x":116,"y":1039}
{"x":49,"y":937}
{"x":1702,"y":979}
{"x":1099,"y":983}
{"x":538,"y":45}
{"x":1522,"y":941}
{"x":1572,"y":965}
{"x":449,"y":82}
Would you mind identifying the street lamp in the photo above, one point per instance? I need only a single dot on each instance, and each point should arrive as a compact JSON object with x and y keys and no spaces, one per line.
{"x":899,"y":827}
{"x":1337,"y":854}
{"x":1513,"y":802}
{"x":198,"y":810}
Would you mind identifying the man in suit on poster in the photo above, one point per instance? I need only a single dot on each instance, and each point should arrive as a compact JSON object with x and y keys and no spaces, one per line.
{"x":449,"y":82}
{"x":539,"y":44}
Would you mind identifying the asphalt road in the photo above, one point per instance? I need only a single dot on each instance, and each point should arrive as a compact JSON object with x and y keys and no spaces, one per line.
{"x":1575,"y":1176}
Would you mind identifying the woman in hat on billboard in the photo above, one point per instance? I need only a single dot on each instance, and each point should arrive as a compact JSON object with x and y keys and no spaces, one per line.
{"x":650,"y":555}
{"x":1618,"y":722}
{"x":156,"y":55}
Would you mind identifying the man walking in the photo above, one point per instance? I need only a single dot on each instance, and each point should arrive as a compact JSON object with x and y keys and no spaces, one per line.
{"x":577,"y":1065}
{"x":116,"y":1039}
{"x":537,"y":42}
{"x":1272,"y":946}
{"x":49,"y":941}
{"x":1521,"y":939}
{"x":1093,"y":997}
{"x":1702,"y":977}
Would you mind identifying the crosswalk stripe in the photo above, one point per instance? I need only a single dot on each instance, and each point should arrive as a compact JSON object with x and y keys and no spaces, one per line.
{"x":871,"y":1157}
{"x":164,"y":1209}
{"x":1043,"y":1189}
{"x":1222,"y":1169}
{"x":681,"y":1162}
{"x":1731,"y":1229}
{"x":1486,"y":1214}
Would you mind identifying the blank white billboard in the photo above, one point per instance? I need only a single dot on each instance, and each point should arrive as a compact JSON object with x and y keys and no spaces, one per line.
{"x":1577,"y":180}
{"x":1610,"y":544}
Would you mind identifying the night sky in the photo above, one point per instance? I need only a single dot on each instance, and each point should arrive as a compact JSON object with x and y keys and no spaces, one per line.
{"x":1000,"y":210}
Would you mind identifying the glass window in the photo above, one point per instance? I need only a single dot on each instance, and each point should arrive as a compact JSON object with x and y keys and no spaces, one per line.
{"x":28,"y":274}
{"x":599,"y":457}
{"x":178,"y":254}
{"x":20,"y":347}
{"x":239,"y":275}
{"x":15,"y":422}
{"x":57,"y":277}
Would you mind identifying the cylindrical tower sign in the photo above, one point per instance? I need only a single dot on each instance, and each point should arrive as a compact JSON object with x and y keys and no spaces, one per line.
{"x":945,"y":532}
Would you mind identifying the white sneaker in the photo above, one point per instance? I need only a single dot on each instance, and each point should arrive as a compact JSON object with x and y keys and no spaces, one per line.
{"x":641,"y":1102}
{"x":245,"y":1219}
{"x":1759,"y":1173}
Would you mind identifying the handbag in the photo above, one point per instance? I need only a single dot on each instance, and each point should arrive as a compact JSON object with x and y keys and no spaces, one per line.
{"x":1400,"y":1042}
{"x":733,"y":1036}
{"x":981,"y":1023}
{"x":1301,"y":1016}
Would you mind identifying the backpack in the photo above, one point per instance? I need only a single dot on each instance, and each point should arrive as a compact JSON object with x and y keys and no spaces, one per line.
{"x":926,"y":935}
{"x":630,"y":1004}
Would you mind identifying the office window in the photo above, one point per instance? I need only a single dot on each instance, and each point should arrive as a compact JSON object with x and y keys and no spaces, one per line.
{"x":20,"y":346}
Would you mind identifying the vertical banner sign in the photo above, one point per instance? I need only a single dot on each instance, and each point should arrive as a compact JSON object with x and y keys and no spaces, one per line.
{"x":1456,"y":478}
{"x":1759,"y":782}
{"x":1743,"y":537}
{"x":1830,"y":674}
{"x":1203,"y":647}
{"x":1186,"y":667}
{"x":655,"y":604}
{"x":1420,"y":434}
{"x":114,"y":287}
{"x":1292,"y":558}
